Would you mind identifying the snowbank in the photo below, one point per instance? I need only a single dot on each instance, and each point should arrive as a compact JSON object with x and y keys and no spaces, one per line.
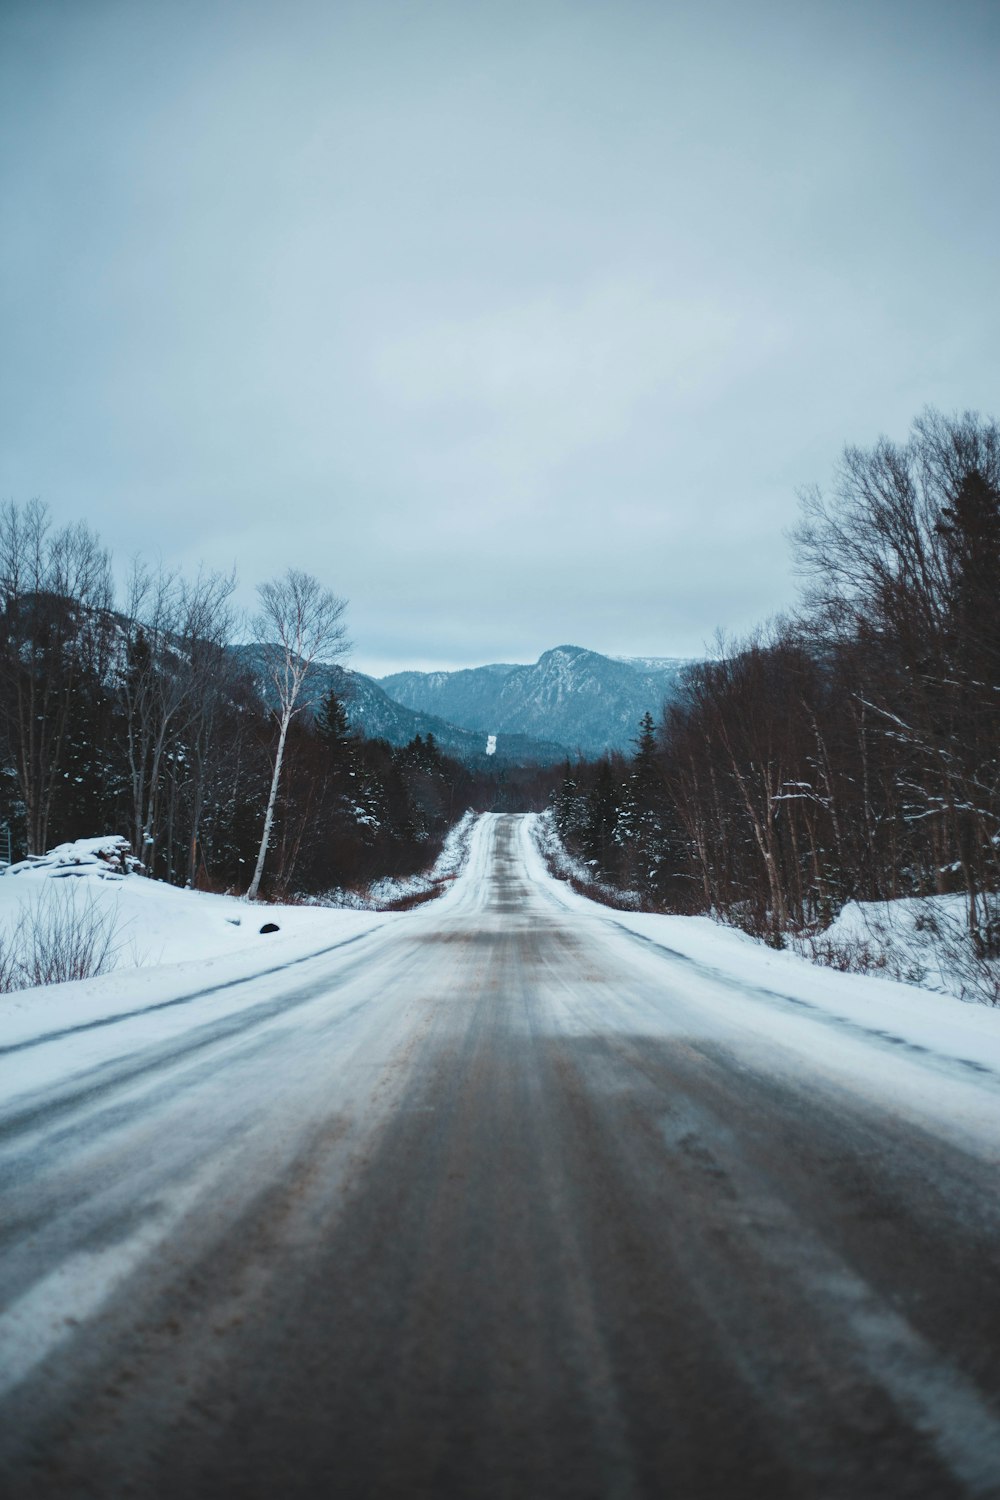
{"x":385,"y":895}
{"x":786,"y":985}
{"x":916,"y":940}
{"x":921,"y":940}
{"x":151,"y":923}
{"x":563,"y":866}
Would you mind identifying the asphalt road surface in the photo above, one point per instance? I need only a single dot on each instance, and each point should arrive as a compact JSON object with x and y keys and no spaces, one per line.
{"x":498,"y":1200}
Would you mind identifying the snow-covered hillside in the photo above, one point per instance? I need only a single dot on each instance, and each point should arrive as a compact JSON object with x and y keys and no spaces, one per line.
{"x":380,"y":715}
{"x":586,"y":701}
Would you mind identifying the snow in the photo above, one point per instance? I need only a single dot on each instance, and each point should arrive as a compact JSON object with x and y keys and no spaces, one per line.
{"x":922,"y":940}
{"x":447,"y":866}
{"x":46,"y":1316}
{"x":786,"y":996}
{"x":203,"y":955}
{"x":491,"y":744}
{"x":158,"y":923}
{"x":567,"y":867}
{"x":108,"y":857}
{"x":336,"y":998}
{"x":655,"y":663}
{"x":166,"y":940}
{"x":383,"y":894}
{"x":171,"y":942}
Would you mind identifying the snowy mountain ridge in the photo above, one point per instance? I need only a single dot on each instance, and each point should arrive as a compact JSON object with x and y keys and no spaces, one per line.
{"x":572,"y":701}
{"x":371,"y":709}
{"x":588,"y":702}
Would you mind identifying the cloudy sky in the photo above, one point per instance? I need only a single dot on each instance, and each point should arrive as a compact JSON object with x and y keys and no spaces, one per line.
{"x":516,"y":323}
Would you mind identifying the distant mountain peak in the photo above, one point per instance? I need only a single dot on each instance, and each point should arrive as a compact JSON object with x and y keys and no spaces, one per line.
{"x":587,"y":702}
{"x":370,"y":708}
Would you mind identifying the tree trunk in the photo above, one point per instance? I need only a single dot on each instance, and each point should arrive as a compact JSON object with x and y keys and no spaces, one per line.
{"x":269,"y":815}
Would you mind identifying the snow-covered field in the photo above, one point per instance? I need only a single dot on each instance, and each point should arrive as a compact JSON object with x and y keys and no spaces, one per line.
{"x":168,"y":941}
{"x":204,"y":956}
{"x":154,"y":923}
{"x":164,"y":940}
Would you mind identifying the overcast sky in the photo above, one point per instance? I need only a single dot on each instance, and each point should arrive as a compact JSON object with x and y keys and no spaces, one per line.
{"x":517,"y":324}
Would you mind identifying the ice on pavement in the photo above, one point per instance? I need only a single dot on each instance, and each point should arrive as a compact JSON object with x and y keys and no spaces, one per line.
{"x":781,"y":992}
{"x":333,"y":982}
{"x":677,"y":974}
{"x":727,"y":951}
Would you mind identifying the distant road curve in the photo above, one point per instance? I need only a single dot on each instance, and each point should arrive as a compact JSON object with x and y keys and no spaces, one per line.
{"x":496,"y":1200}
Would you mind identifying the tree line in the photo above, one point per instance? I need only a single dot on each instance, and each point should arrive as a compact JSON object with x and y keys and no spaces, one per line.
{"x":852,"y":750}
{"x":134,"y":715}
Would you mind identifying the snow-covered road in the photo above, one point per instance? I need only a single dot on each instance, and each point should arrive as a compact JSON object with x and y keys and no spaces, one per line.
{"x":509,"y":1195}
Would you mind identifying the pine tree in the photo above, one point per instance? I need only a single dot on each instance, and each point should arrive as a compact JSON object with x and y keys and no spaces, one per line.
{"x":602,"y":819}
{"x":333,"y":728}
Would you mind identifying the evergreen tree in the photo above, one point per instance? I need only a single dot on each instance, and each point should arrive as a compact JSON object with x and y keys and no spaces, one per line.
{"x":602,"y":820}
{"x":333,"y":728}
{"x":340,"y":743}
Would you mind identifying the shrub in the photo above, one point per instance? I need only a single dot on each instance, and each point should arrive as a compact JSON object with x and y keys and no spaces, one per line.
{"x":57,"y":938}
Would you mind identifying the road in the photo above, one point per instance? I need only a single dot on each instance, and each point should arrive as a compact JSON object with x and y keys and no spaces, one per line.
{"x":498,"y":1200}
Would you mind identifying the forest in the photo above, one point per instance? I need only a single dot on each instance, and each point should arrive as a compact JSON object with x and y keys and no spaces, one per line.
{"x":138,"y":716}
{"x":850,"y":751}
{"x":845,"y":752}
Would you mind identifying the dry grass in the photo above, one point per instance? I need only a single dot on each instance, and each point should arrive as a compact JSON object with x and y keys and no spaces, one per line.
{"x":57,"y":938}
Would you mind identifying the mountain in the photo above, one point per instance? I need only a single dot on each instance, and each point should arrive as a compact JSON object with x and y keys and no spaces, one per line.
{"x":578,"y":698}
{"x":369,"y":708}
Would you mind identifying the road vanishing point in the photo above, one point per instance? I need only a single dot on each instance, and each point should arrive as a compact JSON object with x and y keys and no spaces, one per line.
{"x":498,"y":1199}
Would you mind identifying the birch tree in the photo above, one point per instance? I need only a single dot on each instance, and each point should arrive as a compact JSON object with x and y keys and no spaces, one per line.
{"x":299,"y":622}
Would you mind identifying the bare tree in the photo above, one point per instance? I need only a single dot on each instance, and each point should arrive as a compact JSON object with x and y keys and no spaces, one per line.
{"x":176,"y":633}
{"x":55,"y":594}
{"x":214,"y":676}
{"x":904,"y":561}
{"x":299,"y":622}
